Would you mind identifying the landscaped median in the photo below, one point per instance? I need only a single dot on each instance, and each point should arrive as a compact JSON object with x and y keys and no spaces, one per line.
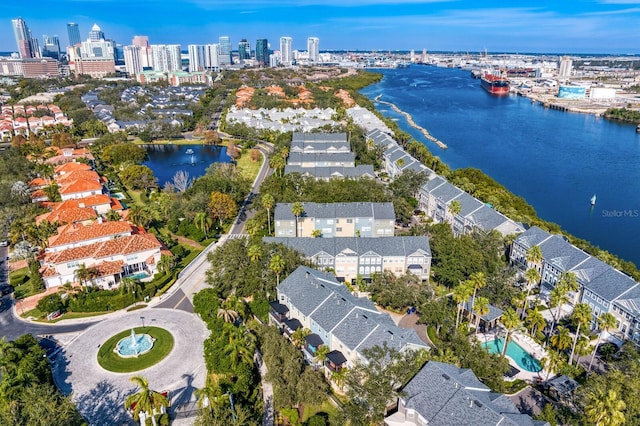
{"x":109,"y":359}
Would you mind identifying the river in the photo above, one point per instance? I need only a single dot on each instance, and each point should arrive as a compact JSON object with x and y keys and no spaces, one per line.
{"x":556,"y":160}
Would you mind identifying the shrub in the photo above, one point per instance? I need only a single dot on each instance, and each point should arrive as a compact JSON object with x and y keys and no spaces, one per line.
{"x":51,"y":303}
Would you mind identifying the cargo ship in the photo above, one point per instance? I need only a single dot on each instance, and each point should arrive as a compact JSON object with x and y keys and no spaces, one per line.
{"x":495,"y":84}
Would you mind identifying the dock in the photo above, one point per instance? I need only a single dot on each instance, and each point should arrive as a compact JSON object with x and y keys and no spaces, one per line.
{"x":412,"y":123}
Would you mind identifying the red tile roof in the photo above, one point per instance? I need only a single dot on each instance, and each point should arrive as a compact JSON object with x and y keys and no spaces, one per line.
{"x":70,"y":215}
{"x":118,"y":246}
{"x":38,"y":182}
{"x":76,"y":175}
{"x":80,"y":185}
{"x":72,"y":234}
{"x":71,"y":167}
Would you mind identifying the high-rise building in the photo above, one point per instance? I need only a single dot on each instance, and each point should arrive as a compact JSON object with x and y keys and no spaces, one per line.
{"x":74,"y":34}
{"x":166,"y":58}
{"x":286,"y":54}
{"x":96,"y":33}
{"x":262,"y":51}
{"x":244,"y":50}
{"x":51,"y":47}
{"x":212,"y":56}
{"x":140,"y":41}
{"x":133,"y":60}
{"x":566,"y":66}
{"x":146,"y":56}
{"x":313,"y":48}
{"x":225,"y":50}
{"x":27,"y":45}
{"x":196,"y":57}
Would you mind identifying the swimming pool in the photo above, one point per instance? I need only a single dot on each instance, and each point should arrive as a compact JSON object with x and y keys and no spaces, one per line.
{"x":139,"y":276}
{"x":515,"y":352}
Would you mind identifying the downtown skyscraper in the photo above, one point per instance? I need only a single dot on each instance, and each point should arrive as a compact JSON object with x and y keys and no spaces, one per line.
{"x":73,"y":31}
{"x":313,"y":48}
{"x":262,"y":51}
{"x":286,"y":51}
{"x":27,"y":45}
{"x":224,"y":43}
{"x":244,"y":49}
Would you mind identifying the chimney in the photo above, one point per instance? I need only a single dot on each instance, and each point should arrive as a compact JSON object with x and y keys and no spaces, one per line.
{"x":81,"y":205}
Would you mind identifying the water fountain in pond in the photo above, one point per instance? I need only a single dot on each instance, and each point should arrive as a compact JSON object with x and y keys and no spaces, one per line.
{"x":134,"y":345}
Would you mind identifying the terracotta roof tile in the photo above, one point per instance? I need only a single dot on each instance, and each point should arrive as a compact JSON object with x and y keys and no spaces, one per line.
{"x":71,"y":167}
{"x":108,"y":268}
{"x":118,"y":246}
{"x":72,"y":234}
{"x":71,"y":215}
{"x":77,"y":175}
{"x":80,"y":185}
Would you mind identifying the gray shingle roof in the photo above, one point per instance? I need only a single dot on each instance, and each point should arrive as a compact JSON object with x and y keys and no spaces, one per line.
{"x":319,"y":137}
{"x":487,"y":218}
{"x":318,"y":295}
{"x":446,"y":395}
{"x":532,"y":237}
{"x":388,"y":246}
{"x":611,"y":284}
{"x":337,"y":210}
{"x":362,"y":170}
{"x":299,"y":157}
{"x":446,"y":192}
{"x":561,"y":254}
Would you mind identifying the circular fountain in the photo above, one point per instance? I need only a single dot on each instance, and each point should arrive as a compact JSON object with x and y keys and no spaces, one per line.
{"x":134,"y":345}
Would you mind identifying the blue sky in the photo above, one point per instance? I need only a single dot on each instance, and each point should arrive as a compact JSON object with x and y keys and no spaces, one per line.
{"x":559,"y":26}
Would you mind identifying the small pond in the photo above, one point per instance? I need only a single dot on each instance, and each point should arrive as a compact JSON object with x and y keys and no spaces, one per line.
{"x":166,"y":160}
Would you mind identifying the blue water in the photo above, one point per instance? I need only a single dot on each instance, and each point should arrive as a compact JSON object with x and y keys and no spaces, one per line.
{"x":134,"y":345}
{"x":555,"y":160}
{"x":138,"y":276}
{"x":166,"y":160}
{"x":515,"y":352}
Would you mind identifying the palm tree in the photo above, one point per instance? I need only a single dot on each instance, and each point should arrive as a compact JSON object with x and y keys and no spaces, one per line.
{"x":277,"y":163}
{"x":146,"y":400}
{"x":478,"y":281}
{"x":268,"y":202}
{"x":535,"y":320}
{"x":338,"y":377}
{"x":562,"y":339}
{"x":605,"y":408}
{"x":297,"y":209}
{"x":166,"y":263}
{"x":207,"y":394}
{"x":481,"y":308}
{"x":460,"y":295}
{"x":320,"y":356}
{"x":240,"y":346}
{"x":113,"y":216}
{"x":606,"y":322}
{"x":559,"y":296}
{"x":276,"y":264}
{"x":533,"y":277}
{"x":255,"y":252}
{"x":298,"y":336}
{"x":511,"y":321}
{"x":201,"y":222}
{"x":127,"y":285}
{"x":533,"y":256}
{"x":581,"y":316}
{"x":8,"y":352}
{"x":454,"y":207}
{"x":82,"y":274}
{"x":553,"y":362}
{"x":228,"y":315}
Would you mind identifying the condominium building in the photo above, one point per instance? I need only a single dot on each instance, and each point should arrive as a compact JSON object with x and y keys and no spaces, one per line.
{"x":262,"y":52}
{"x":335,"y":220}
{"x":51,"y":47}
{"x":132,"y":60}
{"x":286,"y":53}
{"x":313,"y":48}
{"x":166,"y":58}
{"x":146,"y":57}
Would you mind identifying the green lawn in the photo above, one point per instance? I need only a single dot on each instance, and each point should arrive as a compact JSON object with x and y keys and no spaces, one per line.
{"x":248,"y":168}
{"x":111,"y":361}
{"x":74,"y":315}
{"x":21,"y":283}
{"x":325,"y":408}
{"x":196,"y":141}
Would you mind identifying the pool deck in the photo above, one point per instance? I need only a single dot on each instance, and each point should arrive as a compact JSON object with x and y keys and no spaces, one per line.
{"x":529,"y":345}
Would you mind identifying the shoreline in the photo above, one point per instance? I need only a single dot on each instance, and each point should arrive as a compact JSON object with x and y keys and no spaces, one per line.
{"x":412,"y":123}
{"x":575,"y":240}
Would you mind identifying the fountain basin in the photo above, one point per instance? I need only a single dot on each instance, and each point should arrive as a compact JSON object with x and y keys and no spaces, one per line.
{"x":134,"y":345}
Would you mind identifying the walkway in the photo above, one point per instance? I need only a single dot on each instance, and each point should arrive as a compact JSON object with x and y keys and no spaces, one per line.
{"x":99,"y":394}
{"x":411,"y":321}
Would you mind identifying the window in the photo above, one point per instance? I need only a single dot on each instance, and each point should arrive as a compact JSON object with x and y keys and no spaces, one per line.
{"x":339,"y":229}
{"x":329,"y":221}
{"x":349,"y":220}
{"x":337,"y":221}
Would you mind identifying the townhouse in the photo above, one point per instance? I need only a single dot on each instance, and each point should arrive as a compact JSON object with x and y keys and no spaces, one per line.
{"x":436,"y":196}
{"x":442,"y":395}
{"x":601,"y":286}
{"x":324,"y":156}
{"x":348,"y":325}
{"x":350,"y":257}
{"x":336,"y":220}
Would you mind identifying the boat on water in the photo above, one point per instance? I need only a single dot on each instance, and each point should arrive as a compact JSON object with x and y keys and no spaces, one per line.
{"x":495,"y":84}
{"x":638,"y":129}
{"x":189,"y":151}
{"x":593,"y":200}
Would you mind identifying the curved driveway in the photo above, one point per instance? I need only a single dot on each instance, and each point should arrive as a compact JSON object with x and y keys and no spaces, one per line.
{"x":99,"y":394}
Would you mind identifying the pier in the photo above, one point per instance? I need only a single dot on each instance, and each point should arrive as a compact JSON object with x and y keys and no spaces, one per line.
{"x":412,"y":123}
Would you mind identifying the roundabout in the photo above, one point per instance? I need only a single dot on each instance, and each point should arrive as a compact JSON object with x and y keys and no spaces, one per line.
{"x":174,"y":364}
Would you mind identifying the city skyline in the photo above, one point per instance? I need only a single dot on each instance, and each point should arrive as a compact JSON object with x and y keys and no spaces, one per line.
{"x":594,"y":26}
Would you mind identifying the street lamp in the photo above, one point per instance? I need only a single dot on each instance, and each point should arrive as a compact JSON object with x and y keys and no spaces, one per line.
{"x":142,"y":318}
